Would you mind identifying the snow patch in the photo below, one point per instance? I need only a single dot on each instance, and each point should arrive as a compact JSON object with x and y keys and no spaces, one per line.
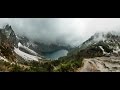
{"x":1,"y":58}
{"x":102,"y":49}
{"x":117,"y":50}
{"x":105,"y":53}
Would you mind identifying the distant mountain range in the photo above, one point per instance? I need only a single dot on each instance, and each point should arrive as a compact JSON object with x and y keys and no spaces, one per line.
{"x":102,"y":43}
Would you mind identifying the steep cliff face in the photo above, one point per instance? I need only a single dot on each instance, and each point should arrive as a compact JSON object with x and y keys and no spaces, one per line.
{"x":10,"y":35}
{"x":7,"y":42}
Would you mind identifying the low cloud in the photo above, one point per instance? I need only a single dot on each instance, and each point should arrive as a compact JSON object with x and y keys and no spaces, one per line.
{"x":72,"y":31}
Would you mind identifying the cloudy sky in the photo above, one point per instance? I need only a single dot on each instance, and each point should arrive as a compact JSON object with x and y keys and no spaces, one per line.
{"x":69,"y":30}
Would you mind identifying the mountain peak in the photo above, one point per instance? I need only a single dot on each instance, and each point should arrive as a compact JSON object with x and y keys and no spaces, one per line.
{"x":7,"y":27}
{"x":7,"y":30}
{"x":9,"y":34}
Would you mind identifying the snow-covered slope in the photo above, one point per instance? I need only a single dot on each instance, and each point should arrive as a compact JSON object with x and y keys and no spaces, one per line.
{"x":26,"y":48}
{"x":25,"y":55}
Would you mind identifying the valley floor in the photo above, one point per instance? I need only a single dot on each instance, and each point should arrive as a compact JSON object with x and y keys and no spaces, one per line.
{"x":101,"y":64}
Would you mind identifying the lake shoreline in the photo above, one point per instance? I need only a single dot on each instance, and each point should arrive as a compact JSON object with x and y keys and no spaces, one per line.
{"x":57,"y":54}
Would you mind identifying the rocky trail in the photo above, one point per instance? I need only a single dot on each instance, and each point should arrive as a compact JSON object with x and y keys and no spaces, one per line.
{"x":101,"y":64}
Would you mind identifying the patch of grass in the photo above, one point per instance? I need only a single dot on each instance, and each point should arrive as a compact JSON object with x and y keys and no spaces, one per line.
{"x":68,"y":65}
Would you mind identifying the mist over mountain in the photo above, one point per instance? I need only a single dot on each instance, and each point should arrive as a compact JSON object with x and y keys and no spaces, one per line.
{"x":43,"y":44}
{"x":72,"y":31}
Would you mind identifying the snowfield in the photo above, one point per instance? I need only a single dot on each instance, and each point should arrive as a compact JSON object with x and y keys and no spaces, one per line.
{"x":26,"y":48}
{"x":25,"y":55}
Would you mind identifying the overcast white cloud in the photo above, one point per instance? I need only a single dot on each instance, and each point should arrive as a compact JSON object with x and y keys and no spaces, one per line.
{"x":69,"y":30}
